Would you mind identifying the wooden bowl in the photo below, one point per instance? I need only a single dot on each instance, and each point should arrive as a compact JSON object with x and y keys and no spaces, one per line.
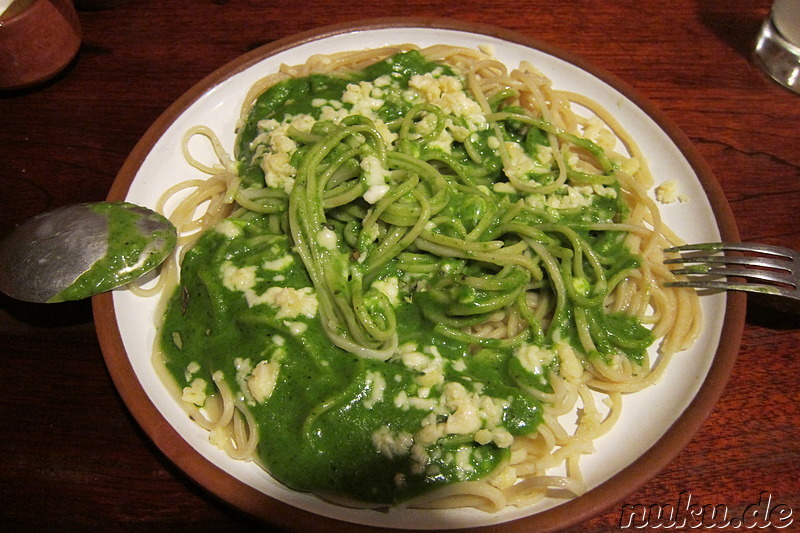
{"x":38,"y":38}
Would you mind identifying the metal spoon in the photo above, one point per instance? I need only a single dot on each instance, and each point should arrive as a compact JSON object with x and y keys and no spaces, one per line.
{"x":80,"y":250}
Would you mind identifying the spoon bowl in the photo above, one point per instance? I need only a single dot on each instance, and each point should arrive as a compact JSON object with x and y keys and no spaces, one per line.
{"x":80,"y":250}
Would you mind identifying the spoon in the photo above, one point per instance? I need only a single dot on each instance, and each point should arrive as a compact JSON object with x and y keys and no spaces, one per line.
{"x":80,"y":250}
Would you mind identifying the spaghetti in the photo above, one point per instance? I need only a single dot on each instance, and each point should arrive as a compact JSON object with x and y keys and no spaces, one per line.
{"x":417,"y":267}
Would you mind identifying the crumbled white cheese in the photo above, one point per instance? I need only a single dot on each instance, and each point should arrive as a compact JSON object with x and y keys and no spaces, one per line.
{"x":487,"y":49}
{"x":219,"y":437}
{"x":331,"y":113}
{"x":443,"y":142}
{"x":302,"y":123}
{"x":375,"y":193}
{"x":520,"y":165}
{"x":391,"y":444}
{"x":425,"y":125}
{"x":227,"y":228}
{"x":483,"y":436}
{"x":327,"y":238}
{"x":238,"y":279}
{"x":463,"y":460}
{"x":414,"y":360}
{"x":384,"y":81}
{"x":534,"y":358}
{"x":669,"y":193}
{"x":278,"y":170}
{"x":191,"y":369}
{"x":196,"y":392}
{"x":280,"y":141}
{"x":263,"y":379}
{"x":457,"y":411}
{"x":505,"y":478}
{"x":280,"y":263}
{"x":428,"y":363}
{"x":544,"y":155}
{"x":292,"y":302}
{"x":465,"y":417}
{"x":447,"y":93}
{"x":274,"y":147}
{"x":504,"y":187}
{"x":372,"y":233}
{"x":471,"y":410}
{"x":570,"y":196}
{"x":389,"y":288}
{"x":375,"y":176}
{"x":502,"y":437}
{"x":376,"y":384}
{"x":365,"y":99}
{"x":405,"y":402}
{"x":419,"y":459}
{"x":571,"y":367}
{"x":243,"y":368}
{"x":296,"y":328}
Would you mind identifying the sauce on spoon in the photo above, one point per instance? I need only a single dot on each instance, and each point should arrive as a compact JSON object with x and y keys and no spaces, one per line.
{"x":77,"y":251}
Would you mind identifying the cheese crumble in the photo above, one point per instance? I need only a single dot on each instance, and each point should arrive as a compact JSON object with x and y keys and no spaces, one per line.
{"x":263,"y":379}
{"x":669,"y":193}
{"x":196,"y":392}
{"x":290,"y":302}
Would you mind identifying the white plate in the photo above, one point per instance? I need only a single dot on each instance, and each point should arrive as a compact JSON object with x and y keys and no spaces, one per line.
{"x":643,"y":440}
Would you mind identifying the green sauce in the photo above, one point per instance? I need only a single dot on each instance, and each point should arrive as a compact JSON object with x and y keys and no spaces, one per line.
{"x":339,"y":424}
{"x":131,"y":252}
{"x":316,"y":432}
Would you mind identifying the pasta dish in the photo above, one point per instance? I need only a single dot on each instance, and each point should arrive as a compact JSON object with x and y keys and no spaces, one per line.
{"x":421,"y":279}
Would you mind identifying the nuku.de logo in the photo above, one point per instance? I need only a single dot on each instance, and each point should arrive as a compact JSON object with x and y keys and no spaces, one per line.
{"x":686,"y":513}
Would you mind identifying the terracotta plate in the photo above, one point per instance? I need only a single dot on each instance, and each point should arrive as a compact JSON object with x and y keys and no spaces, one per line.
{"x":652,"y":429}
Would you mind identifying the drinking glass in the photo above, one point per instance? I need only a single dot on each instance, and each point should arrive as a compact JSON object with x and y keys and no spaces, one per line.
{"x":777,"y":49}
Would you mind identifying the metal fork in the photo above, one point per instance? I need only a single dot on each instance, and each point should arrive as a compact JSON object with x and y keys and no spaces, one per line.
{"x":775,"y":269}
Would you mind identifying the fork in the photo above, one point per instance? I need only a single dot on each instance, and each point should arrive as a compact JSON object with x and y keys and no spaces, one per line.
{"x":775,"y":269}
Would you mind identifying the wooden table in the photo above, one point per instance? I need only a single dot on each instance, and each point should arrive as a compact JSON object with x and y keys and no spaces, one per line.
{"x":74,"y":459}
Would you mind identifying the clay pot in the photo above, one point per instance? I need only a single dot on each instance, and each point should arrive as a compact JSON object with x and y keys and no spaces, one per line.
{"x":38,"y":38}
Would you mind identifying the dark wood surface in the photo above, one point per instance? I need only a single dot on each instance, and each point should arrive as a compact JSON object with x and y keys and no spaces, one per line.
{"x":71,"y":456}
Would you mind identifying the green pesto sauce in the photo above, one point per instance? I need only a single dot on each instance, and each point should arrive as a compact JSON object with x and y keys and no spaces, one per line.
{"x":316,"y":432}
{"x":295,"y":96}
{"x":131,"y":251}
{"x":317,"y":427}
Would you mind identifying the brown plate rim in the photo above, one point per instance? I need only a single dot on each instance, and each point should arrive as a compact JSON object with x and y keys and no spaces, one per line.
{"x":259,"y":505}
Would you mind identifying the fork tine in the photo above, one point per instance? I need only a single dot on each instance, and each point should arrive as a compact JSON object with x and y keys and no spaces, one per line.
{"x":751,"y":273}
{"x":737,"y":247}
{"x":705,"y":263}
{"x":775,"y":257}
{"x":726,"y":286}
{"x":778,"y":262}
